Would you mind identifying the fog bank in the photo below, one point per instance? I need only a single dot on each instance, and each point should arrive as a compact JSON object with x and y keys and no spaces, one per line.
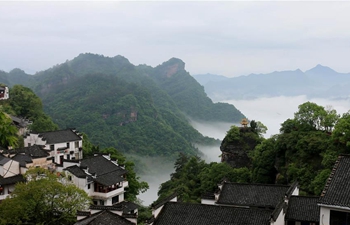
{"x":274,"y":111}
{"x":270,"y":111}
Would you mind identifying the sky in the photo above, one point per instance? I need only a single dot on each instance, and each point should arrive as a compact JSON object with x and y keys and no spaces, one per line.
{"x":226,"y":38}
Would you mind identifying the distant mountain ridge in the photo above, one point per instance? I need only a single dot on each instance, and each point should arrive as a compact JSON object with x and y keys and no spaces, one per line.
{"x":136,"y":109}
{"x":318,"y":82}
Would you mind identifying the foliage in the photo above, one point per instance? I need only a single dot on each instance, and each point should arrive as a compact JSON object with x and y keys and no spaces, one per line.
{"x":342,"y":130}
{"x":304,"y":151}
{"x":193,"y":177}
{"x":70,"y":91}
{"x":8,"y":132}
{"x":126,"y":114}
{"x":23,"y":102}
{"x":316,"y":117}
{"x":45,"y":199}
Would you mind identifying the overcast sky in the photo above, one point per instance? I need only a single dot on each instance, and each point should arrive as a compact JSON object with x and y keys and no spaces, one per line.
{"x":226,"y":38}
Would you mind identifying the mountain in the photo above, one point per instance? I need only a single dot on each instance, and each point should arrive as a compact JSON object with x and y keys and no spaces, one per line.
{"x":320,"y":81}
{"x":203,"y":79}
{"x":136,"y":109}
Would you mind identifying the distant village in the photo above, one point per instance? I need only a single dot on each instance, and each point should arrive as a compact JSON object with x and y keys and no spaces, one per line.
{"x":105,"y":181}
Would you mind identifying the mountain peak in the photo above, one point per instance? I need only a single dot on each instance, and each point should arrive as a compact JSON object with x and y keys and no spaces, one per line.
{"x":320,"y":70}
{"x":171,"y":67}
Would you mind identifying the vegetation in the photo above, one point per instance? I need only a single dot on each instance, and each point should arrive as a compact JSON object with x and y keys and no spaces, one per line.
{"x":8,"y":132}
{"x":193,"y":177}
{"x":45,"y":199}
{"x":304,"y":151}
{"x":103,"y":96}
{"x":24,"y":103}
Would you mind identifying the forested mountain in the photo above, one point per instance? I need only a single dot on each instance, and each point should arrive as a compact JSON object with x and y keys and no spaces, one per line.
{"x":318,"y":82}
{"x":137,"y":109}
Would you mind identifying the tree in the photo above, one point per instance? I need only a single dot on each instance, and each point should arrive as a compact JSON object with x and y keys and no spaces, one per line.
{"x":8,"y":132}
{"x":311,"y":114}
{"x":24,"y":102}
{"x":46,"y":199}
{"x":341,"y":131}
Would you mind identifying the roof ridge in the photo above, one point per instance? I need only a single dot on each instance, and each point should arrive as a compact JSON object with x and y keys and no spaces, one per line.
{"x":259,"y":184}
{"x":335,"y":167}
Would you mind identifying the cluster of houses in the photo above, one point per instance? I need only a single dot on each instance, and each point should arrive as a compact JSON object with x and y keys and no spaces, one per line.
{"x":101,"y":177}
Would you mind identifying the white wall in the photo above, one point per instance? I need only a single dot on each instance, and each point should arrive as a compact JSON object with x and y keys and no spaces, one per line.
{"x":279,"y":220}
{"x":9,"y":169}
{"x":296,"y":191}
{"x":33,"y":139}
{"x":208,"y":202}
{"x":325,"y":215}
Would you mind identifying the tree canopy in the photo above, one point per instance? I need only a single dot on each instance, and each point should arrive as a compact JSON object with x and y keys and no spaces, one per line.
{"x":8,"y":132}
{"x":46,"y":198}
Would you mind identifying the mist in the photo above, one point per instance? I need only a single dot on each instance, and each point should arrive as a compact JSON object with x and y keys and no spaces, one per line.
{"x":274,"y":111}
{"x":270,"y":111}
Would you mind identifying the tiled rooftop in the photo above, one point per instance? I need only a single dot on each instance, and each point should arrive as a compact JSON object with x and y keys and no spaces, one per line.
{"x":60,"y":136}
{"x":107,"y":173}
{"x":104,"y":218}
{"x":336,"y":191}
{"x":261,"y":195}
{"x":11,"y":180}
{"x":175,"y":213}
{"x":303,"y":209}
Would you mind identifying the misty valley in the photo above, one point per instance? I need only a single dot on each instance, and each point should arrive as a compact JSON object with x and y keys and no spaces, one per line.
{"x":167,"y":134}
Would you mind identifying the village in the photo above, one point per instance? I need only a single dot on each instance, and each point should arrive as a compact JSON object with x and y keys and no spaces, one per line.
{"x":105,"y":182}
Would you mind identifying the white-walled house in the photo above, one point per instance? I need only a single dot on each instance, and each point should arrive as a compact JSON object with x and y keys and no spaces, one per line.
{"x":62,"y":144}
{"x":9,"y":176}
{"x":334,"y":202}
{"x":100,"y":177}
{"x":4,"y":93}
{"x":32,"y":156}
{"x":8,"y":167}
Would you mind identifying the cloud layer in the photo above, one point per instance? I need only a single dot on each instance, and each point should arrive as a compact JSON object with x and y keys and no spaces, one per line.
{"x":228,"y":38}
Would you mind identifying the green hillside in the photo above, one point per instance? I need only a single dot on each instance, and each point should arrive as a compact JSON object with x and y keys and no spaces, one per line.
{"x":133,"y":108}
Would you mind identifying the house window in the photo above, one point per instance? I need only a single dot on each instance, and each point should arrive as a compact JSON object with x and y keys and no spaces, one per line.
{"x":77,"y":144}
{"x":69,"y":177}
{"x":68,"y":145}
{"x":115,"y":199}
{"x":89,"y":186}
{"x":102,"y":202}
{"x":52,"y":147}
{"x":339,"y":218}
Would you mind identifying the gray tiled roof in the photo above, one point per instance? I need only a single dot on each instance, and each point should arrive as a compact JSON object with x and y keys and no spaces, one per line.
{"x":34,"y":151}
{"x":107,"y":173}
{"x":76,"y":171}
{"x":127,"y":206}
{"x":60,"y":136}
{"x":303,"y":209}
{"x":22,"y":159}
{"x":3,"y":160}
{"x":11,"y":180}
{"x":337,"y":188}
{"x":175,"y":213}
{"x":104,"y":218}
{"x":160,"y":202}
{"x":262,"y":195}
{"x":21,"y":122}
